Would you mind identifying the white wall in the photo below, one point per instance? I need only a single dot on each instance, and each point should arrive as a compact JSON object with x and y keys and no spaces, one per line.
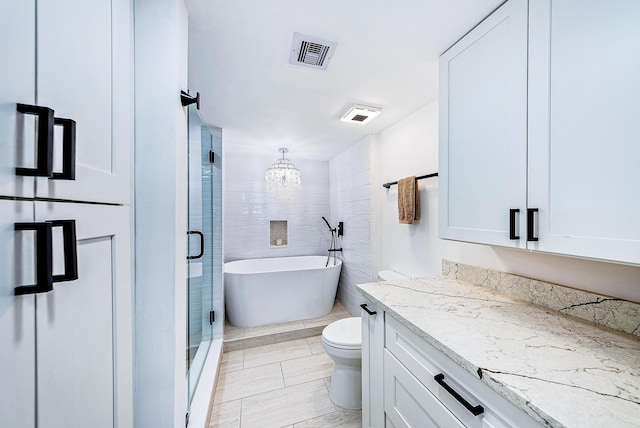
{"x":411,"y":148}
{"x":160,"y":213}
{"x":350,"y":184}
{"x":248,"y":208}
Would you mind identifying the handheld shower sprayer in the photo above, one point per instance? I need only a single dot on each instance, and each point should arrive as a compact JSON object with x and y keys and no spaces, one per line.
{"x":328,"y":225}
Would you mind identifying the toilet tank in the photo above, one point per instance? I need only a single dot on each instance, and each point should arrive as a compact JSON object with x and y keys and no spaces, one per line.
{"x":390,"y":275}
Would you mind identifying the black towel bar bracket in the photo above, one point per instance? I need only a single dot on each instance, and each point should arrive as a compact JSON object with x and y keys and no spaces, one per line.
{"x":388,"y":185}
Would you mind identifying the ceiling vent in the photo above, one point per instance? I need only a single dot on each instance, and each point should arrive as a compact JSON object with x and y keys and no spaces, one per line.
{"x":360,"y":114}
{"x":307,"y":51}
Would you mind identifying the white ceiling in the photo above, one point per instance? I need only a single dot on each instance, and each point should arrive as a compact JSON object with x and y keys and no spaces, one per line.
{"x":387,"y":56}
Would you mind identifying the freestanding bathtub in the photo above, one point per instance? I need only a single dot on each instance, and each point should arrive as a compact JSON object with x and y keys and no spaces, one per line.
{"x":282,"y":289}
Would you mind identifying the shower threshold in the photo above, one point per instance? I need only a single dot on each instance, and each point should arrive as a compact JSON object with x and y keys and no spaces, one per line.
{"x":236,"y":338}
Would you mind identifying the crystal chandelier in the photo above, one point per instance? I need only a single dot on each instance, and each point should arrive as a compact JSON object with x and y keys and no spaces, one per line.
{"x":283,"y":179}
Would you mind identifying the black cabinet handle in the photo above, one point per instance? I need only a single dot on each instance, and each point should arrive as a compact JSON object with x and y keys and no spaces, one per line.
{"x":44,"y":156}
{"x":201,"y":235}
{"x":475,"y":410}
{"x":512,"y":223}
{"x":68,"y":149}
{"x":70,"y":250}
{"x":44,"y":260}
{"x":531,"y":224}
{"x":367,"y":310}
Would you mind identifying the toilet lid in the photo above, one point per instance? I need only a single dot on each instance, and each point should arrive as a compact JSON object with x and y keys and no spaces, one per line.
{"x":344,"y":333}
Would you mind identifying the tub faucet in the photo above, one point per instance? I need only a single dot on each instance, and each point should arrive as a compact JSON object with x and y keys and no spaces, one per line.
{"x":332,"y":247}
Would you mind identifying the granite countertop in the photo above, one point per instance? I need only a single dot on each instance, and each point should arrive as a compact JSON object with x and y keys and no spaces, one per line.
{"x":561,"y":370}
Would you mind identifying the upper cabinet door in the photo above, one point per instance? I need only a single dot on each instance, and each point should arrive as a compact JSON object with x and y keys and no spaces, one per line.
{"x":85,"y":74}
{"x":584,"y":128}
{"x":483,"y":130}
{"x":17,"y":75}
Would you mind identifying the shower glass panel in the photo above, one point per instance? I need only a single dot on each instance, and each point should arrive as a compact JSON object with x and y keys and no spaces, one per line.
{"x":205,"y":309}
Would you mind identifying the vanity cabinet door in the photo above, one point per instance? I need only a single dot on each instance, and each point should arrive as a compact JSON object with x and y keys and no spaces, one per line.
{"x":483,"y":130}
{"x":584,"y":132}
{"x":372,"y":362}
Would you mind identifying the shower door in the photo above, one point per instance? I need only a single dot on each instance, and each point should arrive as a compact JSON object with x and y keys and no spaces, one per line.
{"x":204,"y":258}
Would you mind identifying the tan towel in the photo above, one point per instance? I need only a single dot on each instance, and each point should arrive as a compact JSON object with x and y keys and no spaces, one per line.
{"x":408,"y":200}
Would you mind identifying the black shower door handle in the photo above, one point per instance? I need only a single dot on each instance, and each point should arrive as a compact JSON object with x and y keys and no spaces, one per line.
{"x":44,"y":260}
{"x":68,"y":149}
{"x":201,"y":235}
{"x":44,"y":156}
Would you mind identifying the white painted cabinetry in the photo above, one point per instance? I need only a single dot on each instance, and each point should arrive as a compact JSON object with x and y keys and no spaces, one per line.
{"x":66,"y":349}
{"x":539,"y":145}
{"x":422,"y":387}
{"x":483,"y":129}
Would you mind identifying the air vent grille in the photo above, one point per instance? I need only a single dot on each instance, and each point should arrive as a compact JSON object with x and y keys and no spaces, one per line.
{"x":308,"y":51}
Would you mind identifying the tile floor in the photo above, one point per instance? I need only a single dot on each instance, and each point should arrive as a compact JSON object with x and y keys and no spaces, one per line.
{"x":282,"y":384}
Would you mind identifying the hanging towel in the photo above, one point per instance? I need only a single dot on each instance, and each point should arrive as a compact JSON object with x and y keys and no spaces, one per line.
{"x":408,"y":200}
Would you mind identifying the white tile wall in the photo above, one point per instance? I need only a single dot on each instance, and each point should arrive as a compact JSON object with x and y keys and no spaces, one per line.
{"x":248,"y":208}
{"x":350,"y":184}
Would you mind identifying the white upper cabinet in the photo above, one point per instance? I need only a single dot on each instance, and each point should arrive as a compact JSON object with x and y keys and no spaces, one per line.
{"x":84,"y":61}
{"x":17,"y":74}
{"x":483,"y":129}
{"x":584,"y":127}
{"x":560,"y":142}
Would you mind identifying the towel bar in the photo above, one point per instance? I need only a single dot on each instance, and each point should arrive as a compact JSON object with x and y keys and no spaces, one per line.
{"x":388,"y":185}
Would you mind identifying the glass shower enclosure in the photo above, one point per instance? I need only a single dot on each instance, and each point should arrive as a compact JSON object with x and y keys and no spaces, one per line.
{"x":205,"y":306}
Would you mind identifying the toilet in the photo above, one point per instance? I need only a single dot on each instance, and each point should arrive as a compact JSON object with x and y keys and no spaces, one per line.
{"x":342,"y":341}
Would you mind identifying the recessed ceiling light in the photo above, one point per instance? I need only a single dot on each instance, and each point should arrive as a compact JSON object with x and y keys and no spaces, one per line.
{"x":361,"y":114}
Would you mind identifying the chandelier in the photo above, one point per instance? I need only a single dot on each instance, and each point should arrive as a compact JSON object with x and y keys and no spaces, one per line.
{"x":283,"y":179}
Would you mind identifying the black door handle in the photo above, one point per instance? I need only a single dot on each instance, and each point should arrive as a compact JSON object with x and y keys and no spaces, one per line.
{"x":68,"y":149}
{"x":367,"y":310}
{"x":44,"y":156}
{"x":201,"y":235}
{"x":44,"y":260}
{"x":531,"y":223}
{"x":512,"y":223}
{"x":70,"y":250}
{"x":475,"y":410}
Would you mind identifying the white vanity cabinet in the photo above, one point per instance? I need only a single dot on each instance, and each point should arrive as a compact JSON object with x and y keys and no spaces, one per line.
{"x":539,"y":132}
{"x":422,"y":387}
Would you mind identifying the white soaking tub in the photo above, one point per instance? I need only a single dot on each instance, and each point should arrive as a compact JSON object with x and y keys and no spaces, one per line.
{"x":282,"y":289}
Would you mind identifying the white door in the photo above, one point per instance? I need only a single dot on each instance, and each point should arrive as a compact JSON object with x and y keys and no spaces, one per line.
{"x":17,"y":74}
{"x":84,"y":74}
{"x":84,"y":336}
{"x":17,"y":326}
{"x":483,"y":130}
{"x":584,"y":140}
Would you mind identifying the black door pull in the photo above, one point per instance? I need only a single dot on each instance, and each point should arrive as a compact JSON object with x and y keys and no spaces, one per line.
{"x":531,"y":224}
{"x":475,"y":410}
{"x":512,"y":223}
{"x":70,"y":250}
{"x":44,"y":151}
{"x":367,"y":310}
{"x":44,"y":260}
{"x":68,"y":149}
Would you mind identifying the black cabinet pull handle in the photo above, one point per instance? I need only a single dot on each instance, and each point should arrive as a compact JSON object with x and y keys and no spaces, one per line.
{"x":475,"y":410}
{"x":68,"y":149}
{"x":367,"y":310}
{"x":44,"y":157}
{"x":44,"y":260}
{"x":201,"y":235}
{"x":70,"y":250}
{"x":531,"y":224}
{"x":512,"y":223}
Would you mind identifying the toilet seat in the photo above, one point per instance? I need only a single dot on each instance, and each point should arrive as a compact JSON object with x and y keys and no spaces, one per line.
{"x":344,"y":334}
